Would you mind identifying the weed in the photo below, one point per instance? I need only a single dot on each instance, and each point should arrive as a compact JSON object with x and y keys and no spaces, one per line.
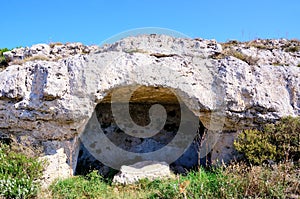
{"x":19,"y":174}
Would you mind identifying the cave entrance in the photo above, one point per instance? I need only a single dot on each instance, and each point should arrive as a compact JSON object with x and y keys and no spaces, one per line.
{"x":139,"y":105}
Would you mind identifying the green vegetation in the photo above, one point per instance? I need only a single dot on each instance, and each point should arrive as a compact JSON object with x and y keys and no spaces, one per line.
{"x":3,"y":61}
{"x":277,"y":145}
{"x":202,"y":183}
{"x":255,"y":146}
{"x":19,"y":174}
{"x":276,"y":142}
{"x":285,"y":134}
{"x":237,"y":180}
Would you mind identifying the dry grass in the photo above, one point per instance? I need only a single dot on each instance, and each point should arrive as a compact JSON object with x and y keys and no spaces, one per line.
{"x":267,"y":181}
{"x":234,"y":53}
{"x":135,"y":50}
{"x":55,"y":44}
{"x":27,"y":59}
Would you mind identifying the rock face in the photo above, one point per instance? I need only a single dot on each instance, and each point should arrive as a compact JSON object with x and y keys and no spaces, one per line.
{"x":57,"y":167}
{"x":53,"y":101}
{"x":141,"y":170}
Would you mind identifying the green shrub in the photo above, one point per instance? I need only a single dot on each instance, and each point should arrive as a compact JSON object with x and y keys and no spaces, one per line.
{"x":255,"y":146}
{"x":277,"y":142}
{"x":3,"y":61}
{"x":285,"y":134}
{"x":19,"y":174}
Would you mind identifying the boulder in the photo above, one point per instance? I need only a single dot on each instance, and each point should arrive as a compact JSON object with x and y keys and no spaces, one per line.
{"x":150,"y":170}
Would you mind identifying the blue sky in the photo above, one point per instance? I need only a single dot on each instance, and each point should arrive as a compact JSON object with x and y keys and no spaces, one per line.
{"x":92,"y":21}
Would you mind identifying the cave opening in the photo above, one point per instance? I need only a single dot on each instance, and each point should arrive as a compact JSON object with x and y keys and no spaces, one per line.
{"x":140,"y":103}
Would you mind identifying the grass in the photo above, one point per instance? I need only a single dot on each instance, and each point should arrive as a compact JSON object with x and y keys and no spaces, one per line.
{"x":20,"y":174}
{"x":33,"y":58}
{"x":237,"y":180}
{"x":135,"y":50}
{"x":234,"y":53}
{"x":292,"y":46}
{"x":94,"y":186}
{"x":270,"y":169}
{"x":52,"y":44}
{"x":228,"y":50}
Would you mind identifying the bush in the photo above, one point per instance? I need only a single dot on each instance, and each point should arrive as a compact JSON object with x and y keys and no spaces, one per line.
{"x":255,"y":146}
{"x":276,"y":142}
{"x":19,"y":174}
{"x":3,"y":61}
{"x":285,"y":134}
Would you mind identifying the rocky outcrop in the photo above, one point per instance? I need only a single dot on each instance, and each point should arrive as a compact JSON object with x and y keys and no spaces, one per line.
{"x":53,"y":101}
{"x":51,"y":52}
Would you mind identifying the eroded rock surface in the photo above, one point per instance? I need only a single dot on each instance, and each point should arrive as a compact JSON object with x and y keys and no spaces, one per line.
{"x":52,"y":101}
{"x":56,"y":167}
{"x":51,"y":52}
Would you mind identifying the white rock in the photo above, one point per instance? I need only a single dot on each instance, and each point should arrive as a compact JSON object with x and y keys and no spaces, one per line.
{"x":147,"y":169}
{"x":53,"y":100}
{"x":57,"y":167}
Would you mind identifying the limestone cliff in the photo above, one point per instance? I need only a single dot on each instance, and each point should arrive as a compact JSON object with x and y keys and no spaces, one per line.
{"x":51,"y":100}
